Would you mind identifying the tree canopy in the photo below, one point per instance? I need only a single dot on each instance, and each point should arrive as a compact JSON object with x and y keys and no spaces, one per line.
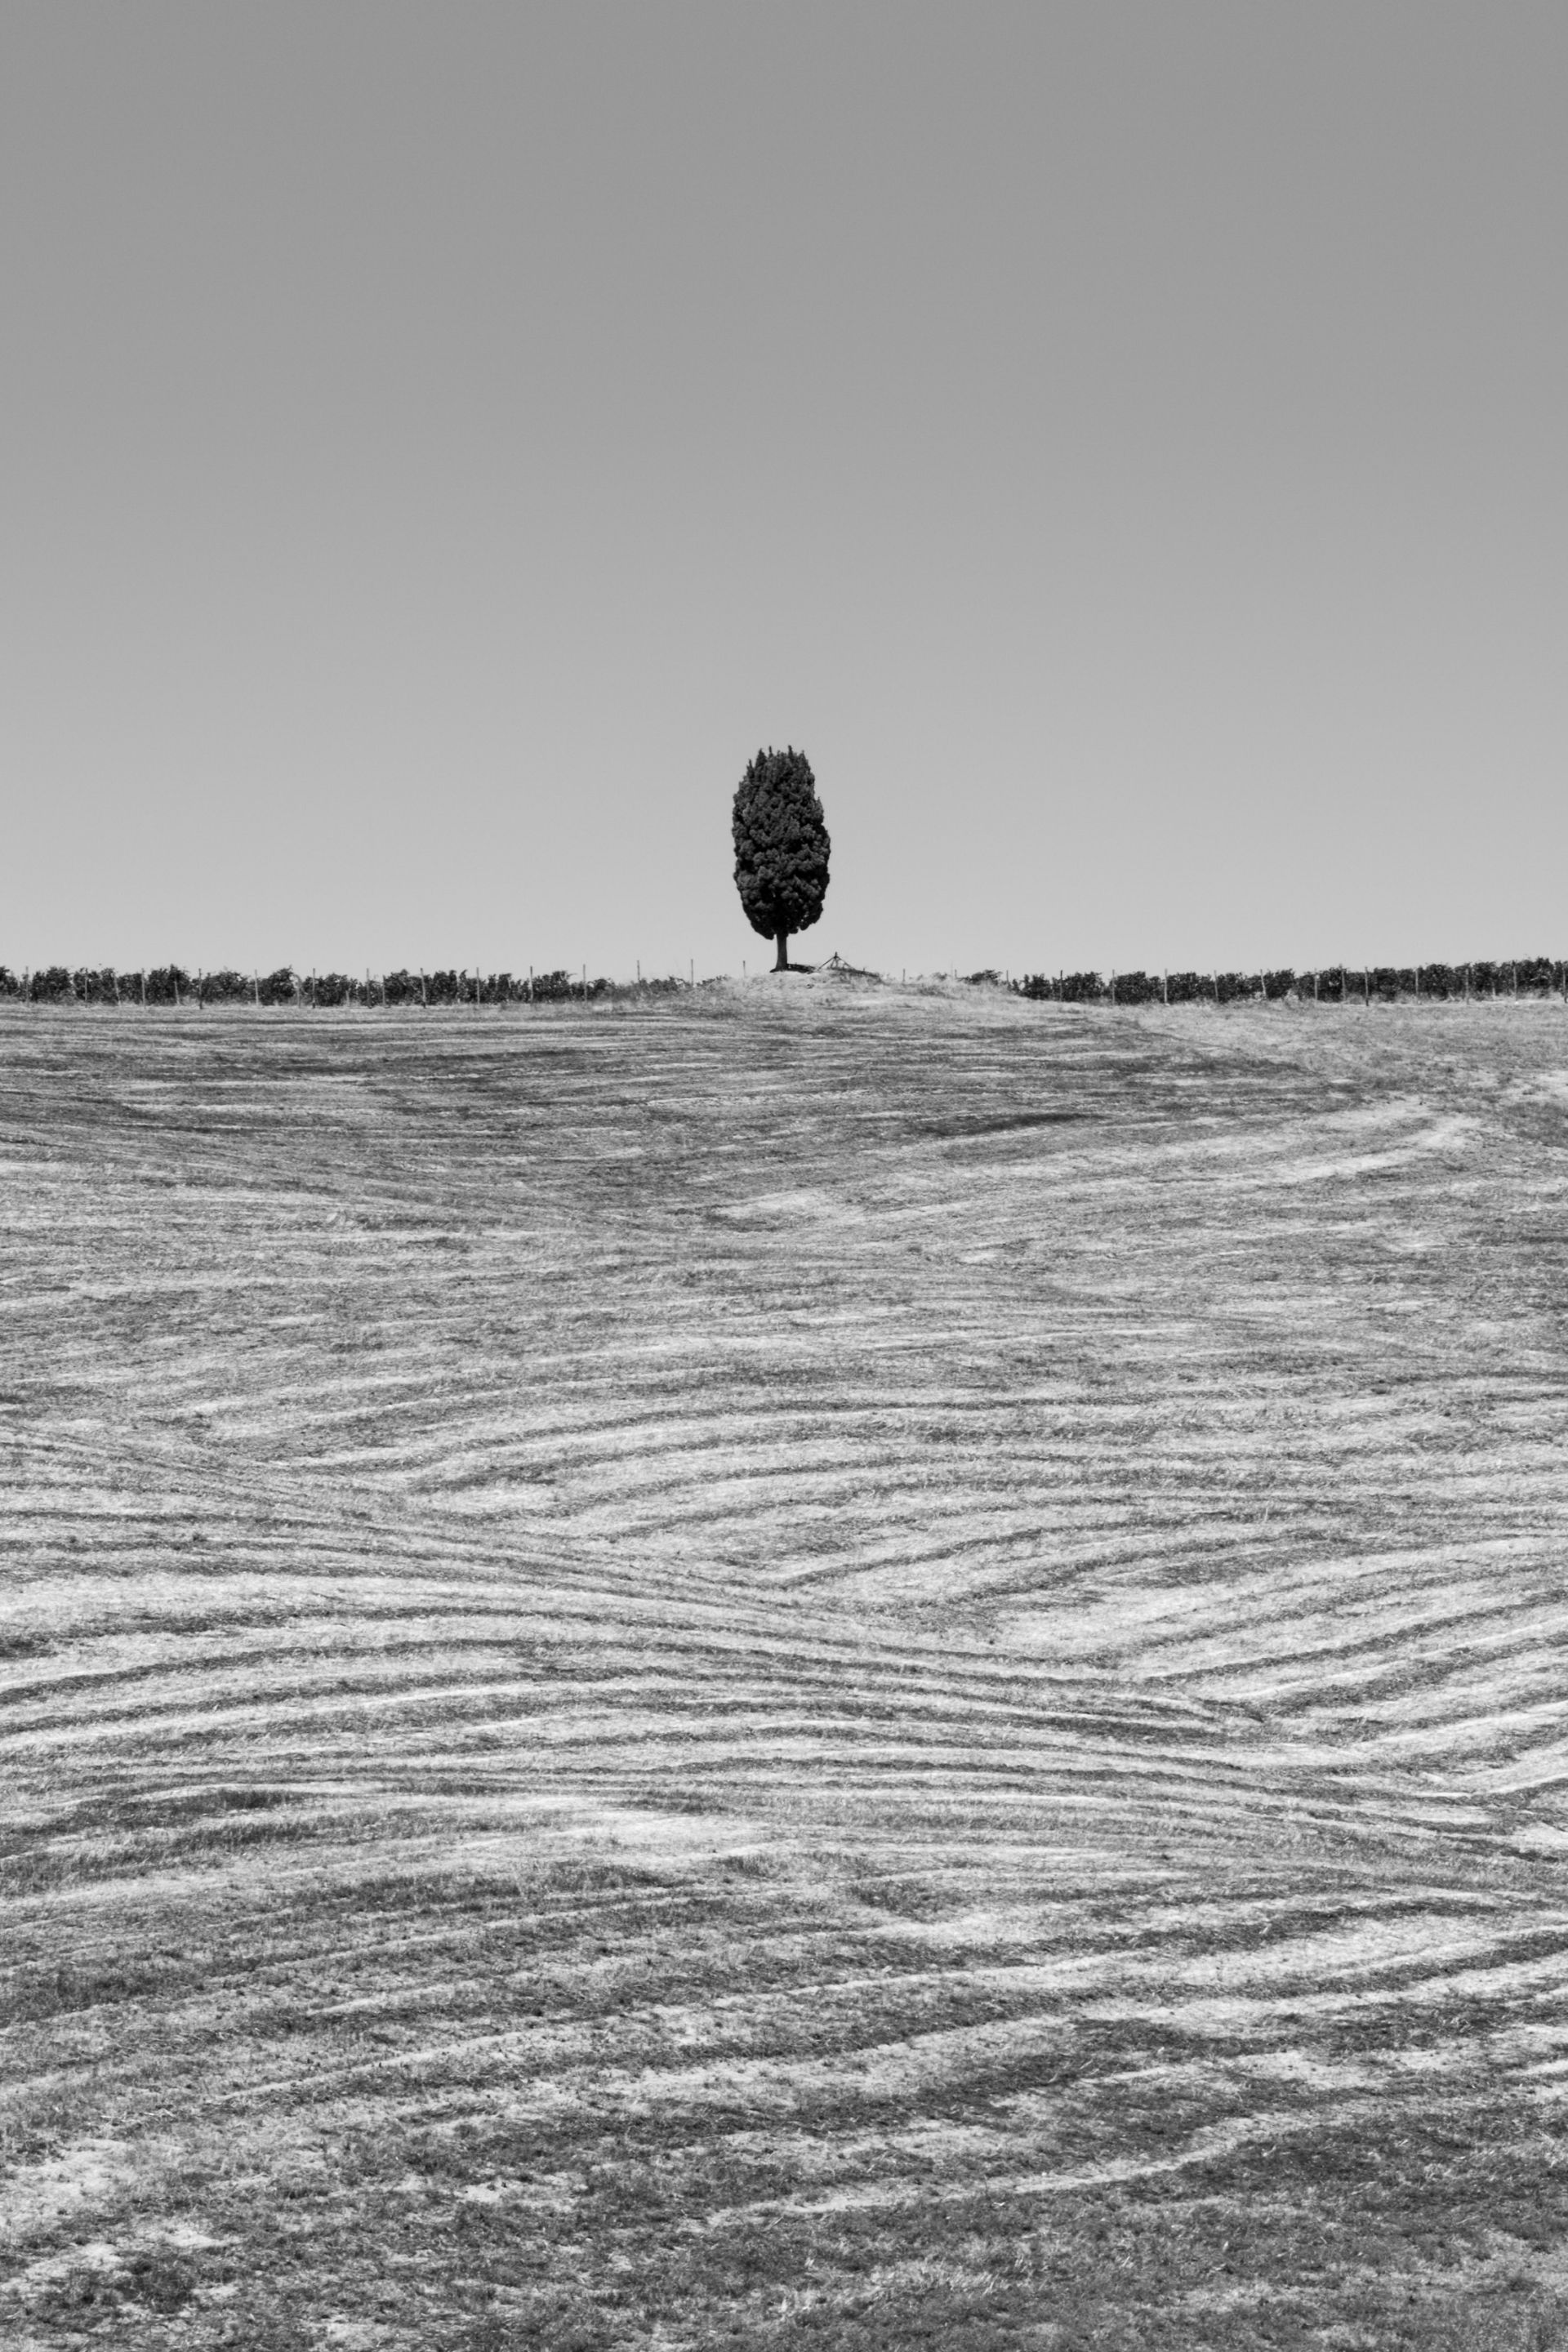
{"x":781,"y":847}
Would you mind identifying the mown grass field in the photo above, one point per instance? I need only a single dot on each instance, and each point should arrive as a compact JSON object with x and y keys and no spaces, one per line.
{"x":822,"y":1667}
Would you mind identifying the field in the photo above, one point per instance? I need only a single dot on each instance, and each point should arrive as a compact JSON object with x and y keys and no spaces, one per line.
{"x":817,"y":1665}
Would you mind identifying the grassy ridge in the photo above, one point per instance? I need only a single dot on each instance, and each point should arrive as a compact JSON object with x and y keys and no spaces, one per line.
{"x":867,"y":1670}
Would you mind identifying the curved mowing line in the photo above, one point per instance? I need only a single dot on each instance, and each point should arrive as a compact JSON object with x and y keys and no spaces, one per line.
{"x":1023,"y":1684}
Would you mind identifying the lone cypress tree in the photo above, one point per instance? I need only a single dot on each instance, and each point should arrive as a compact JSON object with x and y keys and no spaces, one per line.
{"x":781,"y":847}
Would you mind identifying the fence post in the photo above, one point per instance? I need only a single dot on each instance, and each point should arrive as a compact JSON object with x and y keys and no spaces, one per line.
{"x":256,"y":987}
{"x":531,"y":983}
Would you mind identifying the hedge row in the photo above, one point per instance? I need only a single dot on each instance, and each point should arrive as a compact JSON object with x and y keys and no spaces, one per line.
{"x":170,"y":984}
{"x":1338,"y":984}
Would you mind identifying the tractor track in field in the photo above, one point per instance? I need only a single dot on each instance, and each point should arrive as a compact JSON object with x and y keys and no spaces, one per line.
{"x":823,"y":1666}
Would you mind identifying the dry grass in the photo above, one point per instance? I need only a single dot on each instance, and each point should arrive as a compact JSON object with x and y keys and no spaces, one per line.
{"x":829,"y":1667}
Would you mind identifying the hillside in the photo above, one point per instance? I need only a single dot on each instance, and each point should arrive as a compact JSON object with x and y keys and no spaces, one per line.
{"x":814,"y":1667}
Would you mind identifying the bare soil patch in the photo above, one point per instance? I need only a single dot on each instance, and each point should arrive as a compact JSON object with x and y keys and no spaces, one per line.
{"x":842,"y":1666}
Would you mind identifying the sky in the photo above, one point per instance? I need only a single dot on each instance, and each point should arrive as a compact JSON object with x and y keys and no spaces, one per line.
{"x":1122,"y":443}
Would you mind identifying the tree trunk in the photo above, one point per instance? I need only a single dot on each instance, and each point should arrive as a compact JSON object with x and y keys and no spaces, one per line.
{"x":781,"y":960}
